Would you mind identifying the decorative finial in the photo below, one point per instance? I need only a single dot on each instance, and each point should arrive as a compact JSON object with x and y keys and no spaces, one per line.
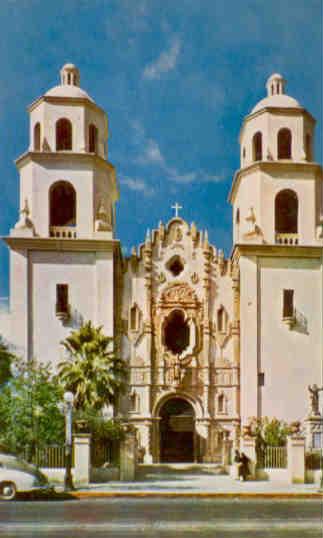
{"x":275,"y":85}
{"x":70,"y":75}
{"x":148,"y":237}
{"x":25,"y":210}
{"x":176,"y":207}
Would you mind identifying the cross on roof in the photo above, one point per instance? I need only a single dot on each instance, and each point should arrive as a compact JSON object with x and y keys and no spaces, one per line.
{"x":176,"y":207}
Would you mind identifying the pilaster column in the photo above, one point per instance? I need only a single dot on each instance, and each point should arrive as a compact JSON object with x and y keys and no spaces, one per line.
{"x":235,"y":331}
{"x":206,"y":322}
{"x":147,"y":259}
{"x":82,"y":458}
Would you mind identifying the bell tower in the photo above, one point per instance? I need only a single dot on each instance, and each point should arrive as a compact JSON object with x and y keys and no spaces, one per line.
{"x":276,"y":194}
{"x":63,"y":249}
{"x":277,"y":232}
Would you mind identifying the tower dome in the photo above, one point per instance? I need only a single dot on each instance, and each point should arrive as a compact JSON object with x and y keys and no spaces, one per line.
{"x":70,"y":84}
{"x":276,"y":97}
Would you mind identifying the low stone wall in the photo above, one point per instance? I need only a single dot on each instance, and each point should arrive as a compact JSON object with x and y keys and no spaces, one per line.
{"x":98,"y":475}
{"x":55,"y":475}
{"x":313,"y":477}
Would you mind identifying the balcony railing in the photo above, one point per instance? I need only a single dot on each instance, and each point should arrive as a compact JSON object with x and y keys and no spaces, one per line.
{"x":63,"y":232}
{"x":286,"y":239}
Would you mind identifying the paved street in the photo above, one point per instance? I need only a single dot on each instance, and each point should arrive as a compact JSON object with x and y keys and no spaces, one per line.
{"x":154,"y":518}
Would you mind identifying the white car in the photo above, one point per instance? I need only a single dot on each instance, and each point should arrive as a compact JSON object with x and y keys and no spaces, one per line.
{"x":16,"y":476}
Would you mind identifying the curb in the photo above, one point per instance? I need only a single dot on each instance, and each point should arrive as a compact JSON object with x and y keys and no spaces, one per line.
{"x":203,"y":495}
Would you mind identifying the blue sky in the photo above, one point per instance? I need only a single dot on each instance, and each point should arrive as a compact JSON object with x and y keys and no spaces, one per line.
{"x":176,"y":78}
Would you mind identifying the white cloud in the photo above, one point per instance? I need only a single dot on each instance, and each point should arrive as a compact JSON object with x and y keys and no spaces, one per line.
{"x":152,"y":155}
{"x":136,"y":184}
{"x":166,"y":61}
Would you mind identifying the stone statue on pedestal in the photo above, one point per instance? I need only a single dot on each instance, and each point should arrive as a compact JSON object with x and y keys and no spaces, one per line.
{"x":314,"y":399}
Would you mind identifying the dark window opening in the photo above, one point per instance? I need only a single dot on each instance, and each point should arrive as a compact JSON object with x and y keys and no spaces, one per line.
{"x":62,"y":204}
{"x":238,"y":216}
{"x":93,"y":139}
{"x":134,"y":318}
{"x":61,"y":299}
{"x":176,"y":266}
{"x":176,"y":333}
{"x":308,"y":142}
{"x":284,"y":144}
{"x":261,"y":379}
{"x":63,"y":135}
{"x":222,"y":320}
{"x":288,"y":303}
{"x":37,"y":137}
{"x":286,"y":212}
{"x":221,"y":403}
{"x":257,"y":147}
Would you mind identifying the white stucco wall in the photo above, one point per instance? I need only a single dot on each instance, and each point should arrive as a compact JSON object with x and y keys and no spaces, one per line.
{"x":290,"y":359}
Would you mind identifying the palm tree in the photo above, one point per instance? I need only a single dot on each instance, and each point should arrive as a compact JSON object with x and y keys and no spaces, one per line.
{"x":93,"y":372}
{"x":6,"y":359}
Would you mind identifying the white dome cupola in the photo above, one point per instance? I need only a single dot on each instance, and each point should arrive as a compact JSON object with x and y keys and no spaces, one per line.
{"x":277,"y":128}
{"x":68,"y":140}
{"x":276,"y":187}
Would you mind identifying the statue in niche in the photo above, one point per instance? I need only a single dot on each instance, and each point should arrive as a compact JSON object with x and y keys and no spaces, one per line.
{"x":314,"y":398}
{"x":102,"y":223}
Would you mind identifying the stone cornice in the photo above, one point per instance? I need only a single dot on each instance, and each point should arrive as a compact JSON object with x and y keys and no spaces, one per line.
{"x":277,"y":251}
{"x":270,"y":166}
{"x":60,"y":100}
{"x":296,"y":111}
{"x":63,"y":245}
{"x":62,"y":155}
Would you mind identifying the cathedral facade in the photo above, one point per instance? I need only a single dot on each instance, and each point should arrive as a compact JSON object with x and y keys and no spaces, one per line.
{"x":210,"y":341}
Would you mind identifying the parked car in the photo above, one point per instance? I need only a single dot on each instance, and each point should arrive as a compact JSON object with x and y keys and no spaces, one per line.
{"x":16,"y":476}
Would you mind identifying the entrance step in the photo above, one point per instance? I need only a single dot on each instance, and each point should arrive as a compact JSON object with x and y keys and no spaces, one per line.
{"x":172,"y":471}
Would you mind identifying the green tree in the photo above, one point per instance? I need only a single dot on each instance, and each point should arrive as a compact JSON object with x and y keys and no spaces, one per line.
{"x":6,"y":360}
{"x":92,"y":371}
{"x":29,"y":414}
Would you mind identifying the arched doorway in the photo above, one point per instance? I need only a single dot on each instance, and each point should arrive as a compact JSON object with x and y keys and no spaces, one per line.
{"x":177,"y":431}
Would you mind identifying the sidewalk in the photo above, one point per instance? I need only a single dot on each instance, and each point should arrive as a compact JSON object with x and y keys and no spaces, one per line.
{"x":199,"y":486}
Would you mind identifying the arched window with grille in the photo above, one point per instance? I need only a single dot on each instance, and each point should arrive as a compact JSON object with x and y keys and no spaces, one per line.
{"x":286,"y":212}
{"x":257,"y":146}
{"x":63,"y":135}
{"x":93,"y":138}
{"x":284,"y":142}
{"x":37,"y":137}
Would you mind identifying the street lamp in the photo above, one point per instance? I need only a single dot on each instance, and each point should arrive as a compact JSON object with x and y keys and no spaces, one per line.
{"x":68,"y":410}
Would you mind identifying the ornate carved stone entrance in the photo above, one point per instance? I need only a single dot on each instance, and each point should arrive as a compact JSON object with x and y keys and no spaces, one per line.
{"x":177,"y":431}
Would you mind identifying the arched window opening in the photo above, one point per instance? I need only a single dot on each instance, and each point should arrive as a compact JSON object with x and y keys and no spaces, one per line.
{"x":284,"y":144}
{"x":222,"y":319}
{"x":175,"y":265}
{"x":221,"y":403}
{"x":286,"y":212}
{"x":238,"y":216}
{"x":244,"y":153}
{"x":62,"y":202}
{"x":176,"y":332}
{"x":37,"y":137}
{"x":308,"y":147}
{"x":134,"y":318}
{"x":93,"y":139}
{"x":257,"y":147}
{"x":63,"y":135}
